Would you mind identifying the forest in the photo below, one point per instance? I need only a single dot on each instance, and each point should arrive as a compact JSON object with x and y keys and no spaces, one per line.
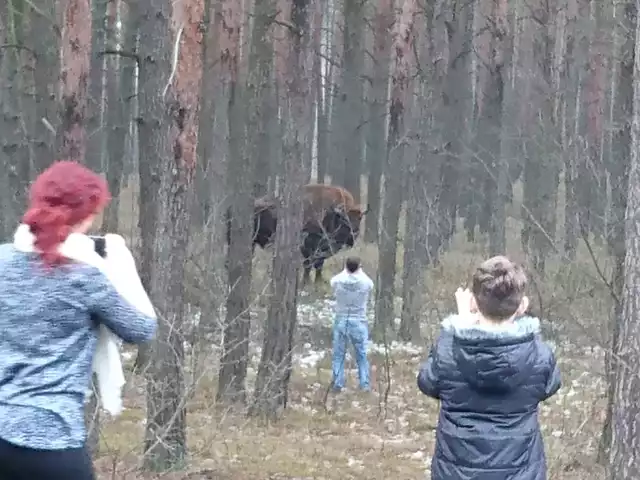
{"x":467,"y":128}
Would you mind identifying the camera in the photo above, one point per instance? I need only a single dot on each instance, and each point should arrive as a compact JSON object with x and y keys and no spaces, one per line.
{"x":99,"y":245}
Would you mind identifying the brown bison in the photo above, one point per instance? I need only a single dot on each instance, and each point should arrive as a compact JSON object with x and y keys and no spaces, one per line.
{"x":264,"y":222}
{"x":320,"y":200}
{"x":331,"y":221}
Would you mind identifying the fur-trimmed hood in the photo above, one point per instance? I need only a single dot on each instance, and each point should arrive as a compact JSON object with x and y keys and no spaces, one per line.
{"x":466,"y":327}
{"x":498,"y":357}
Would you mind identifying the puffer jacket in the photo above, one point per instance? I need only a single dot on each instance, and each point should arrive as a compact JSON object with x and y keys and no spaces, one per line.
{"x":489,"y":380}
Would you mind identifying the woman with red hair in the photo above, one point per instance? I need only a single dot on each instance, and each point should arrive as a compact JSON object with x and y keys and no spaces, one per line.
{"x":56,"y":296}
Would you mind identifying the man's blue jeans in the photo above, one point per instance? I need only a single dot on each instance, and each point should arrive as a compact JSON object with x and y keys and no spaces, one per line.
{"x":357,"y":332}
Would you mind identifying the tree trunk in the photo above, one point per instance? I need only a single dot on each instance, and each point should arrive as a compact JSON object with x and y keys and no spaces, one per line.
{"x":5,"y":81}
{"x":394,"y":168}
{"x":625,"y":448}
{"x":475,"y":174}
{"x":14,"y":148}
{"x":351,"y":103}
{"x":378,"y":110}
{"x":542,"y":170}
{"x":208,"y":109}
{"x":457,"y":107}
{"x":258,"y":90}
{"x":169,"y":106}
{"x":592,"y":175}
{"x":76,"y":54}
{"x":416,"y":236}
{"x":335,"y":168}
{"x":153,"y":142}
{"x":235,"y":353}
{"x":571,"y":152}
{"x":490,"y":128}
{"x":119,"y":97}
{"x":424,"y":168}
{"x":274,"y":371}
{"x":95,"y":106}
{"x":211,"y":191}
{"x":44,"y":40}
{"x":587,"y":118}
{"x":321,"y":95}
{"x":619,"y":172}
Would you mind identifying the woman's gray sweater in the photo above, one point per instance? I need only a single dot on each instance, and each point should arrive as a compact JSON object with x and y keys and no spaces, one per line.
{"x":48,"y":334}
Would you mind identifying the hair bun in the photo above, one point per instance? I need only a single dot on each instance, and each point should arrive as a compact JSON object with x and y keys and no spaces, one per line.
{"x":64,"y":195}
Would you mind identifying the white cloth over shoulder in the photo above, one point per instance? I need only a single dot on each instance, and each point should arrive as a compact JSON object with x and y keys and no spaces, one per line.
{"x":119,"y":267}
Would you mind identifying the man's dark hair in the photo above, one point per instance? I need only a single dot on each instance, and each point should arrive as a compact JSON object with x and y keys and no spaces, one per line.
{"x":498,"y":287}
{"x":352,"y":264}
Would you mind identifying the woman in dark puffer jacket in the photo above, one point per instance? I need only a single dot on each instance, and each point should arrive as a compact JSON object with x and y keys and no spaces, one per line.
{"x":490,"y":370}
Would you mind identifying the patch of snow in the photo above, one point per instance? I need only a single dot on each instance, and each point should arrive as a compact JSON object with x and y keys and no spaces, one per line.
{"x":419,"y":455}
{"x":397,"y":348}
{"x":309,"y":359}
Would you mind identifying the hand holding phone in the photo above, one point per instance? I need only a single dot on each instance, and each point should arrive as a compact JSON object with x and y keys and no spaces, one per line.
{"x":464,"y":301}
{"x":100,"y":245}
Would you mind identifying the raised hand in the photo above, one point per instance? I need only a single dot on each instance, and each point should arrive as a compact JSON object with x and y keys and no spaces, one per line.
{"x":464,"y":301}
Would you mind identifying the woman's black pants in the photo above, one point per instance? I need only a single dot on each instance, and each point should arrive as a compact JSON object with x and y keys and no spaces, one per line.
{"x":17,"y":463}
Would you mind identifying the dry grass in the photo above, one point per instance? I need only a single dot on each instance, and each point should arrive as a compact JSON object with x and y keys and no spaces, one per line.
{"x":354,"y":436}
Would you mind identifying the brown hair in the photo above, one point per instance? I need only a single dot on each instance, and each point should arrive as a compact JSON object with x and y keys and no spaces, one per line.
{"x":498,"y":287}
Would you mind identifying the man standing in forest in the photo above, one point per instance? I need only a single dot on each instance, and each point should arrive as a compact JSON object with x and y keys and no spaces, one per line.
{"x":351,"y":290}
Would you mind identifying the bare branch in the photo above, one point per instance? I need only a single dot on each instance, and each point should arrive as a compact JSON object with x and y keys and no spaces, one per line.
{"x":7,"y":46}
{"x":174,"y":62}
{"x":121,"y":53}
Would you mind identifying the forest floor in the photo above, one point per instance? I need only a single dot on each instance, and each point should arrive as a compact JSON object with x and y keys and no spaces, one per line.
{"x":382,"y":435}
{"x":351,"y":435}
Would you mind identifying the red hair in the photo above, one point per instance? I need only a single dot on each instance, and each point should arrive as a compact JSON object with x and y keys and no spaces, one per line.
{"x":62,"y":196}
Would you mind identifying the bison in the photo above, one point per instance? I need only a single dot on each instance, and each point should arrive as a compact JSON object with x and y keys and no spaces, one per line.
{"x":264,"y":222}
{"x":331,"y":221}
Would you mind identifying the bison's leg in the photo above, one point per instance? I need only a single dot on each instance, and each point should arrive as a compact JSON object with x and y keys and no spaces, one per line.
{"x":317,"y":265}
{"x":306,"y":275}
{"x":306,"y":270}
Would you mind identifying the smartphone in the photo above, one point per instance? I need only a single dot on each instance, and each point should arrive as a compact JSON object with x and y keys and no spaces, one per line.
{"x":99,"y":245}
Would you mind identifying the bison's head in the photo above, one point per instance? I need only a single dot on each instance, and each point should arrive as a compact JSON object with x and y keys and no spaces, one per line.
{"x":343,"y":223}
